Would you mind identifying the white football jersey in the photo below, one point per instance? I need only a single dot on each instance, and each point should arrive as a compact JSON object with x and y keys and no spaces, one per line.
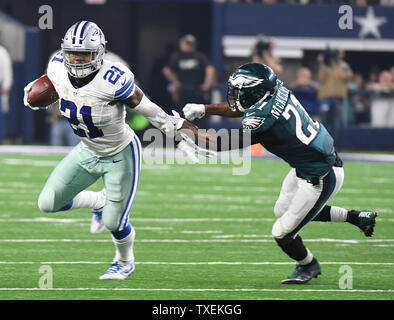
{"x":95,"y":111}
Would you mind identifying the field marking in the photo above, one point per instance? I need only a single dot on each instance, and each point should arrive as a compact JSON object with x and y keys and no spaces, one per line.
{"x":45,"y":219}
{"x":202,"y":290}
{"x":193,"y":240}
{"x":384,"y":245}
{"x":200,"y":231}
{"x":197,"y":263}
{"x":29,"y":162}
{"x":73,"y":220}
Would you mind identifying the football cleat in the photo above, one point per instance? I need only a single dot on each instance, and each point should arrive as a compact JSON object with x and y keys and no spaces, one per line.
{"x":118,"y":271}
{"x":97,"y":226}
{"x":366,"y":221}
{"x":303,"y":274}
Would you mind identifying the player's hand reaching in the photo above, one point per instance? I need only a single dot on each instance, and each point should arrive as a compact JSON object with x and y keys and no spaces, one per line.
{"x":192,"y":150}
{"x":173,"y":124}
{"x":193,"y":111}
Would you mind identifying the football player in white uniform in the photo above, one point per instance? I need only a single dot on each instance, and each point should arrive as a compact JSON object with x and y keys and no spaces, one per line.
{"x":93,"y":93}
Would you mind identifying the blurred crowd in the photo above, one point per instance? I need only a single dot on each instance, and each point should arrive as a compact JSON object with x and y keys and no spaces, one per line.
{"x":333,"y":93}
{"x":183,"y":74}
{"x":339,"y":96}
{"x":330,"y":91}
{"x":318,"y":2}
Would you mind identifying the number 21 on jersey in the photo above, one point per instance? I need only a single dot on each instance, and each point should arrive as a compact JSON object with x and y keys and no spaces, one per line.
{"x":305,"y":136}
{"x":86,"y":112}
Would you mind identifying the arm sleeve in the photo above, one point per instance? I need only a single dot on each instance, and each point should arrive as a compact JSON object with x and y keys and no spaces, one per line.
{"x":158,"y":118}
{"x":237,"y":139}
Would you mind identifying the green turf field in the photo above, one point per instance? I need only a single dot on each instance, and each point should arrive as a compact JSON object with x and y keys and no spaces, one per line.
{"x":202,"y":233}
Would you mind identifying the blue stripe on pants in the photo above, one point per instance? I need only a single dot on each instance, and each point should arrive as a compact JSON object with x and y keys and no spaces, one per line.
{"x":136,"y":174}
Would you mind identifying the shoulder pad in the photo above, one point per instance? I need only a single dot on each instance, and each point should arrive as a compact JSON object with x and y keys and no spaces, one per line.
{"x":258,"y":118}
{"x":55,"y":64}
{"x":121,"y":78}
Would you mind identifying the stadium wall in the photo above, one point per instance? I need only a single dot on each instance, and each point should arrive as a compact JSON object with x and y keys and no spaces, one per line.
{"x":22,"y":42}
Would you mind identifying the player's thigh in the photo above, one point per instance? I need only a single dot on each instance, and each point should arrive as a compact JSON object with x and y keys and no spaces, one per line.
{"x":339,"y":179}
{"x":65,"y":182}
{"x":287,"y":192}
{"x":121,"y":178}
{"x":305,"y":205}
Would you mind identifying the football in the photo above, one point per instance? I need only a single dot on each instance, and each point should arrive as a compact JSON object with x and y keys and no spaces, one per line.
{"x":42,"y":93}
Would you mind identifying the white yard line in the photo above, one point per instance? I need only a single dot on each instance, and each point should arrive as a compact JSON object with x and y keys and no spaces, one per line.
{"x":194,"y":240}
{"x":30,"y":162}
{"x":200,"y":231}
{"x":197,"y":263}
{"x":52,"y":150}
{"x":71,"y":220}
{"x":45,"y":219}
{"x":200,"y":290}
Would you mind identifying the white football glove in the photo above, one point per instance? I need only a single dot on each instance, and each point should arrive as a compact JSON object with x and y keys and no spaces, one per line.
{"x":192,"y":150}
{"x":172,"y":124}
{"x":193,"y":111}
{"x":26,"y":90}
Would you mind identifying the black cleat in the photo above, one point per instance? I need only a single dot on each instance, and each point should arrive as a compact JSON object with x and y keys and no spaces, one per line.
{"x":303,"y":274}
{"x":366,"y":221}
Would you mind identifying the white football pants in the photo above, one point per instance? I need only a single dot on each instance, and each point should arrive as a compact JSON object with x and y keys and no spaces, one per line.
{"x":300,"y":201}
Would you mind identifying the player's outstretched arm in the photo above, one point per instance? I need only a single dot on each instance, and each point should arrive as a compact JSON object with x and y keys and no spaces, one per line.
{"x":169,"y":125}
{"x":209,"y":140}
{"x":193,"y":110}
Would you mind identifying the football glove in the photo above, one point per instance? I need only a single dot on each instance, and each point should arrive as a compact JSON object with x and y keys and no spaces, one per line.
{"x":26,"y":91}
{"x":167,"y":124}
{"x":193,"y":111}
{"x":173,"y":124}
{"x":192,"y":150}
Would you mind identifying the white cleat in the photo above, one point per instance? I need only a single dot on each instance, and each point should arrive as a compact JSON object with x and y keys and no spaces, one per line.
{"x":118,"y":271}
{"x":97,"y":226}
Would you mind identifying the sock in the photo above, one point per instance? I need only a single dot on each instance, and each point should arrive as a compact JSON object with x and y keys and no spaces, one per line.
{"x":332,"y":213}
{"x":352,"y":217}
{"x":123,"y":241}
{"x":67,"y":207}
{"x":85,"y":199}
{"x":310,"y":263}
{"x":323,"y":215}
{"x":309,"y":259}
{"x":295,"y":249}
{"x":338,"y":214}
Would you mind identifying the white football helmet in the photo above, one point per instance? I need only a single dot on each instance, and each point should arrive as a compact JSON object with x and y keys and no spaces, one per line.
{"x":84,"y":37}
